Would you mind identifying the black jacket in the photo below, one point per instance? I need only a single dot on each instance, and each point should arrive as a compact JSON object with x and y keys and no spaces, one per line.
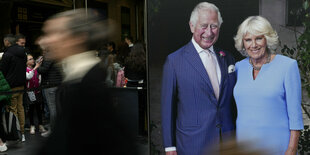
{"x":13,"y":66}
{"x":87,"y":120}
{"x":51,"y":74}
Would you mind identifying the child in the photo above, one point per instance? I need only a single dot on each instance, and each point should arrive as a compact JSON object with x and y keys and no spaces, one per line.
{"x":33,"y":81}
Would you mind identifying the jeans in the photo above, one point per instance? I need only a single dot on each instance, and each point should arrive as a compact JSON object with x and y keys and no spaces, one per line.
{"x":50,"y":96}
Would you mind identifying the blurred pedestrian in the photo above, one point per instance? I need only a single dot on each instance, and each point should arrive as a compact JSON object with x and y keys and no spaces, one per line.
{"x":51,"y":79}
{"x":86,"y":118}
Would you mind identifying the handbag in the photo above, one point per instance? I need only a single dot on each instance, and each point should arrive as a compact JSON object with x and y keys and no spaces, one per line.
{"x":31,"y":96}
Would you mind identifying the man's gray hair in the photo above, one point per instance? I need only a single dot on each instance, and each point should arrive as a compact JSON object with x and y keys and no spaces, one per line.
{"x":10,"y":38}
{"x":204,"y":6}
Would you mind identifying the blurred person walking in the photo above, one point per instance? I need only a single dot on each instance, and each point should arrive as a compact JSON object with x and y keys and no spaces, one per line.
{"x":85,"y":117}
{"x":51,"y":78}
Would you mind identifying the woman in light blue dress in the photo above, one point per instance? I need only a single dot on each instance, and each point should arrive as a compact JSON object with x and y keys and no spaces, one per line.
{"x":267,"y":92}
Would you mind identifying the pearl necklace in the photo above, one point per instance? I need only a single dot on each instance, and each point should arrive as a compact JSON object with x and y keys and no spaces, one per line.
{"x":258,"y":68}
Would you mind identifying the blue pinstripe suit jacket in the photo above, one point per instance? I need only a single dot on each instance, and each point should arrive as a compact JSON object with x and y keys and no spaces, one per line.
{"x":192,"y":118}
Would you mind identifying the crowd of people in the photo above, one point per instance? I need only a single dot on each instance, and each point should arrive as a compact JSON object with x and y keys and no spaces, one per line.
{"x":26,"y":77}
{"x":129,"y":58}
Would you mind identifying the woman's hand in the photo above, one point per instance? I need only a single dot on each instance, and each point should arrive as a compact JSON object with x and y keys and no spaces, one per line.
{"x":293,"y":144}
{"x":291,"y":151}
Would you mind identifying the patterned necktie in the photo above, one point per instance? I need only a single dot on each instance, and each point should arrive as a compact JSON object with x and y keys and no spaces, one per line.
{"x":211,"y":69}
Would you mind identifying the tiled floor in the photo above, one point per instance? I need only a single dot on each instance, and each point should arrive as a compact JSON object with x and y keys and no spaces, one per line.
{"x":32,"y":143}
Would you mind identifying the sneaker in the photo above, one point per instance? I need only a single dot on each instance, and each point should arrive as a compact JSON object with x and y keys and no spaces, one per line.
{"x":23,"y":138}
{"x":32,"y":130}
{"x":46,"y":134}
{"x":3,"y":147}
{"x":42,"y":129}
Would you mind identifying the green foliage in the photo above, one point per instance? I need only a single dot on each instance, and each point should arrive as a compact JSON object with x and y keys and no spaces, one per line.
{"x":302,"y":50}
{"x":303,"y":143}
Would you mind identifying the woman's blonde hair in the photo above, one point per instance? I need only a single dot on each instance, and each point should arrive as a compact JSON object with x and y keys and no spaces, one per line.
{"x":256,"y":25}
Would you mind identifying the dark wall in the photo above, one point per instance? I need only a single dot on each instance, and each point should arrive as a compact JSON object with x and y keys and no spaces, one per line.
{"x":168,"y":30}
{"x":5,"y":16}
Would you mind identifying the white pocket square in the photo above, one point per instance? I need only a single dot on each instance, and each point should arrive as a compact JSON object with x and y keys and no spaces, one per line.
{"x":231,"y":68}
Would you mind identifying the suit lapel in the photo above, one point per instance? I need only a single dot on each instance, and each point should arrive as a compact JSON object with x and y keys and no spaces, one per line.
{"x":222,"y":64}
{"x":193,"y":58}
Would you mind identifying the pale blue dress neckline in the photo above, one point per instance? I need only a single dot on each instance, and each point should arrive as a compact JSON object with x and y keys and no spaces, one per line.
{"x":262,"y":70}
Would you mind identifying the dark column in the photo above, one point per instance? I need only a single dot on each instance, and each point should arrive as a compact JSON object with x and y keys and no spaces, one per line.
{"x":5,"y":16}
{"x":79,"y":3}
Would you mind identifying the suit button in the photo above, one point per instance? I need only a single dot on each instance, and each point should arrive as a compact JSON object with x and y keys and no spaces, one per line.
{"x":218,"y":125}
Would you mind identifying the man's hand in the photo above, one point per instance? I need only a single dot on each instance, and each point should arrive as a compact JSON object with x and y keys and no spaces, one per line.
{"x":171,"y":153}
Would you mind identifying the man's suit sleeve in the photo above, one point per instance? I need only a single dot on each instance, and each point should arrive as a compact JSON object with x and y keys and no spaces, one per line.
{"x":168,"y":104}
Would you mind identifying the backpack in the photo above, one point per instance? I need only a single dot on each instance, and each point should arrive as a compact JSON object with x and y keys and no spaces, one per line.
{"x":11,"y":126}
{"x":120,"y":78}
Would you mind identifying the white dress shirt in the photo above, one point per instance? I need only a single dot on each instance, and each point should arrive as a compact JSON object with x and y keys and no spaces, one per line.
{"x":203,"y":56}
{"x":76,"y":66}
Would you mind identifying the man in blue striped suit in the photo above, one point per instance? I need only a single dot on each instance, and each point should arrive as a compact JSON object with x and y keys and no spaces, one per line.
{"x":198,"y":80}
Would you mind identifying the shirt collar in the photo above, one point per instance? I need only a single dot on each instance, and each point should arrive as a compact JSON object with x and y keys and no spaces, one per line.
{"x":76,"y":66}
{"x":199,"y":49}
